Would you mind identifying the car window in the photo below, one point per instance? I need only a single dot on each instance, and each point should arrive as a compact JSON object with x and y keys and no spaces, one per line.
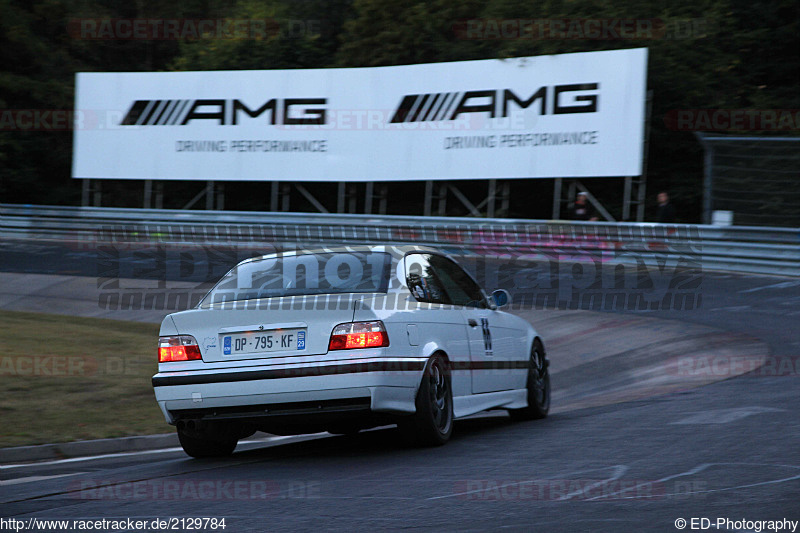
{"x":436,"y":279}
{"x":305,"y":274}
{"x":459,"y":286}
{"x":422,"y":280}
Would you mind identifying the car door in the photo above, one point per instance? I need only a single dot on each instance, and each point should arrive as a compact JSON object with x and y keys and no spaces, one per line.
{"x":494,"y":342}
{"x":436,"y":318}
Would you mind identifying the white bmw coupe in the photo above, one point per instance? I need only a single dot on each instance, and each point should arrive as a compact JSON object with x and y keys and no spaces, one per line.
{"x":341,"y":340}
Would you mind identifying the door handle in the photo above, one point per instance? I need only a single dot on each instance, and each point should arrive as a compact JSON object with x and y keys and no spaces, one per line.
{"x":472,"y":323}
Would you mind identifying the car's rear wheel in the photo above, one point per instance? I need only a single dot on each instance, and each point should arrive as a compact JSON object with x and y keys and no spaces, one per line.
{"x":213,"y":440}
{"x":432,"y":424}
{"x":538,"y":386}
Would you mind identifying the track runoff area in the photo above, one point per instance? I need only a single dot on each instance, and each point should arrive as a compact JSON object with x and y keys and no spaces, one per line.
{"x":658,"y":415}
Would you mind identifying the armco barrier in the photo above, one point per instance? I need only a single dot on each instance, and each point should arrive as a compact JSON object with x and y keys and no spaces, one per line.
{"x":763,"y":250}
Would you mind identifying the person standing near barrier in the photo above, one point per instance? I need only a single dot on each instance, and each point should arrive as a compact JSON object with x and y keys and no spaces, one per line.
{"x":580,"y":209}
{"x":666,"y":211}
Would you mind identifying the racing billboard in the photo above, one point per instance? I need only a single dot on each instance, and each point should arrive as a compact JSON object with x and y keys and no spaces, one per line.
{"x":570,"y":115}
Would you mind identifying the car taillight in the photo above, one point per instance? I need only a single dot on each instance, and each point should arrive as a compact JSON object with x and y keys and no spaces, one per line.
{"x":353,"y":335}
{"x":178,"y":348}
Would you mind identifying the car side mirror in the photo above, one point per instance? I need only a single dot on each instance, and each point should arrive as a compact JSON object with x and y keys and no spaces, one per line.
{"x":501,"y":297}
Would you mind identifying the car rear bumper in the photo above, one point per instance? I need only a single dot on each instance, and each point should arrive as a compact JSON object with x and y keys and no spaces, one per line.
{"x":382,"y":385}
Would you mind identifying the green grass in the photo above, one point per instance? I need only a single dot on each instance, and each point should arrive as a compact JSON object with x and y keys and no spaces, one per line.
{"x":65,"y":378}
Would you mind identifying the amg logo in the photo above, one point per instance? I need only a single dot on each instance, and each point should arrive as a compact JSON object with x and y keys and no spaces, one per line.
{"x":289,"y":111}
{"x":448,"y":106}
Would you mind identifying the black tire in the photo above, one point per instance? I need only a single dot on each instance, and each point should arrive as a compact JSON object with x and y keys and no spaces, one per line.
{"x":432,"y":424}
{"x":538,"y":385}
{"x":200,"y":444}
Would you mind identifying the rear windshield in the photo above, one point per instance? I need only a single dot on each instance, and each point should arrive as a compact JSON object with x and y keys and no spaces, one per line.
{"x":308,"y":274}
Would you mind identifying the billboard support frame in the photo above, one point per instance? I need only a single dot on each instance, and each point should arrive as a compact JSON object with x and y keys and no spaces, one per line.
{"x":638,"y":184}
{"x":557,"y":198}
{"x":436,"y":196}
{"x":91,"y":192}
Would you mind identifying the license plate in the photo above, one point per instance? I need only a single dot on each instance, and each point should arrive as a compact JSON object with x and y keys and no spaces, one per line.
{"x":275,"y":340}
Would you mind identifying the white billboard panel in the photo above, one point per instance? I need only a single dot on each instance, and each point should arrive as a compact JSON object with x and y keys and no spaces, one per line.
{"x":571,"y":115}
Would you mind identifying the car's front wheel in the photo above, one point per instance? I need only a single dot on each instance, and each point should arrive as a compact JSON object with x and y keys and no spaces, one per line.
{"x":538,"y":386}
{"x":212,"y":440}
{"x":432,"y":424}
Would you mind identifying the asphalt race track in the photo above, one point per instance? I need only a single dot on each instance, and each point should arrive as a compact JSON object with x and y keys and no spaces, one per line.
{"x":658,"y":415}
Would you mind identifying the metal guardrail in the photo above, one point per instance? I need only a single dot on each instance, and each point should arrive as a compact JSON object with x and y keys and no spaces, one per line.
{"x":774,"y":251}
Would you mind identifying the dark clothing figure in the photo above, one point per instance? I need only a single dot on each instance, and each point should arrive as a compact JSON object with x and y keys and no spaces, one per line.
{"x":666,"y":213}
{"x":580,"y":211}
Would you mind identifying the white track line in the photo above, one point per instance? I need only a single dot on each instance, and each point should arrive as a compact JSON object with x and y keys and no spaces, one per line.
{"x":130,"y":454}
